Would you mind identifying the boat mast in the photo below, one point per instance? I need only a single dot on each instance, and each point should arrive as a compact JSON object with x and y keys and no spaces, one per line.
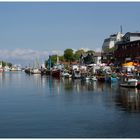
{"x":121,"y":29}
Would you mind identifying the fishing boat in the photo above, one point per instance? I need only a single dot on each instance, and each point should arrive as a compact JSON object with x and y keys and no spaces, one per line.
{"x":100,"y":76}
{"x":56,"y":73}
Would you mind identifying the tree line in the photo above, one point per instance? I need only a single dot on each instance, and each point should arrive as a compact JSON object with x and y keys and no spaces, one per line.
{"x":71,"y":56}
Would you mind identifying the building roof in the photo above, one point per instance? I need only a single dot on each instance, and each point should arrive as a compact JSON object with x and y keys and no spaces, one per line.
{"x":133,"y":34}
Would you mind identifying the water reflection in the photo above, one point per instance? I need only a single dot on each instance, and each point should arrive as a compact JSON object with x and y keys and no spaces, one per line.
{"x":10,"y":79}
{"x":78,"y":85}
{"x":128,"y":99}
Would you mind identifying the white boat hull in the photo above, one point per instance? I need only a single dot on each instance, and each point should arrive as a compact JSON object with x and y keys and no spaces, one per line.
{"x":130,"y":83}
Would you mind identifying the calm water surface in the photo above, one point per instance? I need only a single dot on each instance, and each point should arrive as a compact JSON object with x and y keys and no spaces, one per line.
{"x":34,"y":106}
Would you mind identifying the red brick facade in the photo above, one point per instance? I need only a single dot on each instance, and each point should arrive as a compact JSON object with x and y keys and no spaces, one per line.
{"x":127,"y":50}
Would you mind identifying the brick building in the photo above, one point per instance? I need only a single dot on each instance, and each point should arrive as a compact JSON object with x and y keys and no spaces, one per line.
{"x":127,"y":51}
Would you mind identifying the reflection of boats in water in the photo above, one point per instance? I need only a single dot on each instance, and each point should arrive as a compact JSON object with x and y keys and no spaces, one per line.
{"x":128,"y":99}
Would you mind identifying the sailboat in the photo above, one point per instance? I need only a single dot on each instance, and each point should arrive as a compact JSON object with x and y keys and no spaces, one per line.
{"x":56,"y":71}
{"x":36,"y":69}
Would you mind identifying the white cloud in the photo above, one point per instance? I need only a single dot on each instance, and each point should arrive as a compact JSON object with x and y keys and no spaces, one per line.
{"x":26,"y":54}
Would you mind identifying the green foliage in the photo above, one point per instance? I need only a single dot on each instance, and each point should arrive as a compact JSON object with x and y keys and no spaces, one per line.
{"x":9,"y":64}
{"x":54,"y":59}
{"x":78,"y":54}
{"x":90,"y":52}
{"x":89,"y":59}
{"x":6,"y":64}
{"x":61,"y":58}
{"x":68,"y":55}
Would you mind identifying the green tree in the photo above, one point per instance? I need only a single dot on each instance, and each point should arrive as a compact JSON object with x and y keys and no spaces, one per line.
{"x":68,"y":55}
{"x":54,"y":59}
{"x":78,"y":53}
{"x":3,"y":63}
{"x":9,"y":64}
{"x":61,"y":58}
{"x":90,"y":52}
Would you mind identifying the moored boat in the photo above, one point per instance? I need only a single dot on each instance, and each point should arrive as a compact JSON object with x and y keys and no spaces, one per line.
{"x":1,"y":70}
{"x":66,"y":74}
{"x":128,"y":81}
{"x":35,"y":71}
{"x":111,"y":78}
{"x":76,"y":74}
{"x":56,"y":73}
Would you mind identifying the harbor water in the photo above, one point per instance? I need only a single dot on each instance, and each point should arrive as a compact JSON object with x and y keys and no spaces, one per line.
{"x":35,"y":106}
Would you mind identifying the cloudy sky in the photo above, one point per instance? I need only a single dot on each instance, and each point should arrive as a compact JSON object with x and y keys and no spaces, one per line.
{"x":30,"y":30}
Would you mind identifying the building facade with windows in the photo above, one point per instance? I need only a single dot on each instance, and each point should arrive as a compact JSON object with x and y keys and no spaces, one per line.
{"x":109,"y":46}
{"x":125,"y":49}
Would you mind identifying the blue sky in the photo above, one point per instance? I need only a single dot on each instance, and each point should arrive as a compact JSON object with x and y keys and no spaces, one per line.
{"x":35,"y":29}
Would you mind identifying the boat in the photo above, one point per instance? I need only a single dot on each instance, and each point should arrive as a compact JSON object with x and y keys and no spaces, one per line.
{"x":1,"y":70}
{"x":100,"y":76}
{"x":111,"y":78}
{"x":35,"y":71}
{"x":128,"y":81}
{"x":27,"y":70}
{"x":66,"y":74}
{"x":56,"y":73}
{"x":7,"y":68}
{"x":76,"y":74}
{"x":86,"y":78}
{"x":36,"y":68}
{"x":93,"y":78}
{"x":16,"y":68}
